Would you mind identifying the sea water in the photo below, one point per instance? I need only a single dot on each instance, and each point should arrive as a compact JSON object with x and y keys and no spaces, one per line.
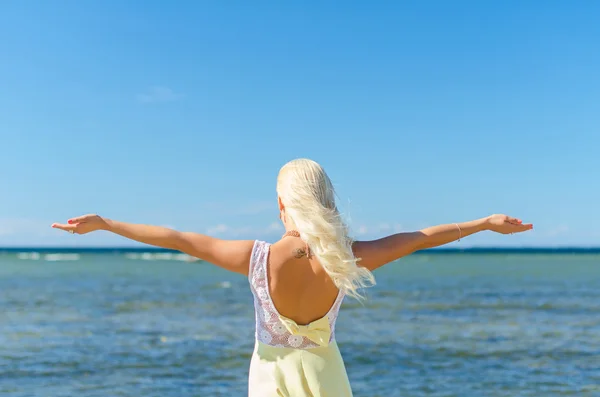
{"x":153,"y":324}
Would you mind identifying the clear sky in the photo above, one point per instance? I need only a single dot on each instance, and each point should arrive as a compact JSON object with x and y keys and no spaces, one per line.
{"x":181,"y":113}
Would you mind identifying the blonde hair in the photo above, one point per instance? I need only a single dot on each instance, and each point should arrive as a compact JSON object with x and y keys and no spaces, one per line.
{"x":308,"y":197}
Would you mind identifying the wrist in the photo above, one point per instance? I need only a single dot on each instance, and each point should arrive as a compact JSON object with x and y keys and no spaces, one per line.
{"x":485,"y":223}
{"x":107,"y":225}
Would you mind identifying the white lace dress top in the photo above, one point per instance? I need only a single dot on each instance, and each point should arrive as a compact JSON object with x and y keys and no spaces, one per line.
{"x":276,"y":330}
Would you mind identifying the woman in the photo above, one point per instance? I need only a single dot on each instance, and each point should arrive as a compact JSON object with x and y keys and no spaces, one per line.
{"x":299,"y":282}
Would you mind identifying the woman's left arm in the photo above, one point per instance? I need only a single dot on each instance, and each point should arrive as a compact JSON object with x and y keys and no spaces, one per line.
{"x":232,"y":255}
{"x":434,"y":236}
{"x":376,"y":253}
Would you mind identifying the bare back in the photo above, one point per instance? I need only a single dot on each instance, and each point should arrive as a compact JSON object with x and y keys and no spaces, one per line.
{"x":295,"y":303}
{"x":299,"y":287}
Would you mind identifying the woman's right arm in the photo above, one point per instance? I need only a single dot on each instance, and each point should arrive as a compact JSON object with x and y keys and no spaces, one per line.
{"x":376,"y":253}
{"x":232,"y":255}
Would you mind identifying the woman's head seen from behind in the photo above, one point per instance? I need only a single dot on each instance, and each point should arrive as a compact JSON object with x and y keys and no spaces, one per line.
{"x":307,"y":204}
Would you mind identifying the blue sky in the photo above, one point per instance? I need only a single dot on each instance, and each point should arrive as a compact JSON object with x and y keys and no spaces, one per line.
{"x":181,"y":113}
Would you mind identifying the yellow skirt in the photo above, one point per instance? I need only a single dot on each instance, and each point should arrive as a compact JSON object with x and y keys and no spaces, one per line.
{"x":288,"y":372}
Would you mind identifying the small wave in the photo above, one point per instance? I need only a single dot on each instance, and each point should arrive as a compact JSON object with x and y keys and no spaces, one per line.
{"x":61,"y":257}
{"x":32,"y":256}
{"x":160,"y":256}
{"x":475,"y":305}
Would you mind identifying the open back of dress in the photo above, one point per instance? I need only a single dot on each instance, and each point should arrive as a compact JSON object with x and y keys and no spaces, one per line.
{"x":291,"y":359}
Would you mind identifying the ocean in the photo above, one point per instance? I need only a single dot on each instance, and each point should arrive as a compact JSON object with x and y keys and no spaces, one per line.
{"x":478,"y":323}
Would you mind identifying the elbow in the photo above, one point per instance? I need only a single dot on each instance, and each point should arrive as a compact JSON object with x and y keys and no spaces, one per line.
{"x":176,"y":241}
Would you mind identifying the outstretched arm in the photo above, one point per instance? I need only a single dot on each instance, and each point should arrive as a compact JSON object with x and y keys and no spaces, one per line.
{"x":377,"y":253}
{"x":232,"y":255}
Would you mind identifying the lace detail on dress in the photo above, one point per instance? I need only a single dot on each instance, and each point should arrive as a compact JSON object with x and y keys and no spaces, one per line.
{"x":269,"y":327}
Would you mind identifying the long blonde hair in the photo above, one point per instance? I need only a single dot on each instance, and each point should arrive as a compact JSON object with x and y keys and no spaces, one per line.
{"x":308,"y":197}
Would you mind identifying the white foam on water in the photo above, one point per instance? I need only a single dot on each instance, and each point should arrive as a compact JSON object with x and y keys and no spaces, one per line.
{"x":61,"y":257}
{"x":161,"y":256}
{"x":32,"y":256}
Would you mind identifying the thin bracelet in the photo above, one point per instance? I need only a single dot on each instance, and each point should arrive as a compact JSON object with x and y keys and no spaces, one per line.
{"x":459,"y":231}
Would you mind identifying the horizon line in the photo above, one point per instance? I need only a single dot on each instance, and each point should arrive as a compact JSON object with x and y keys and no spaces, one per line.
{"x":143,"y":248}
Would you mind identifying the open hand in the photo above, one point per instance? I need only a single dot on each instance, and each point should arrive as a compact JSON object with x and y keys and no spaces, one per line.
{"x":506,"y":224}
{"x":83,"y":224}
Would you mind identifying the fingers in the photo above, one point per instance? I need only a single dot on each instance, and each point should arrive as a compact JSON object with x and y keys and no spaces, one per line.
{"x":66,"y":228}
{"x":523,"y":227}
{"x":79,"y":219}
{"x":514,"y":221}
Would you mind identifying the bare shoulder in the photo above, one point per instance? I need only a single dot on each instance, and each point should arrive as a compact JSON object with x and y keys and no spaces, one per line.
{"x":375,"y":253}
